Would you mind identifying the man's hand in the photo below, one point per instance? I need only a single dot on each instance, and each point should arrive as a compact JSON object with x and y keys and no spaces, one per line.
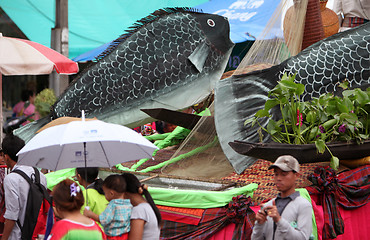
{"x":261,"y":216}
{"x":273,"y":212}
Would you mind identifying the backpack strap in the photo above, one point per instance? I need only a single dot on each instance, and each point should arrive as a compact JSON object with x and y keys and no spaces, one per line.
{"x":20,"y":172}
{"x":37,"y":180}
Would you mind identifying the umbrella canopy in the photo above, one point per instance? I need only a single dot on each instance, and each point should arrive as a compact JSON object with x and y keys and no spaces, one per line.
{"x":23,"y":57}
{"x":84,"y":144}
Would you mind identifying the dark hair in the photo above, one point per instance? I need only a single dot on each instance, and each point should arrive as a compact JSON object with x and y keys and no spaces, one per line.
{"x":64,"y":200}
{"x":133,"y":185}
{"x":115,"y":182}
{"x":26,"y":94}
{"x":12,"y":145}
{"x":92,"y":174}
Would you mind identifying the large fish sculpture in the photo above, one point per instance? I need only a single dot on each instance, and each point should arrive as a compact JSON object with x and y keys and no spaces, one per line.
{"x":170,"y":59}
{"x":320,"y":67}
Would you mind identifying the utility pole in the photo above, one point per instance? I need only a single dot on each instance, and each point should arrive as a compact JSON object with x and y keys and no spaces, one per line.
{"x":59,"y":42}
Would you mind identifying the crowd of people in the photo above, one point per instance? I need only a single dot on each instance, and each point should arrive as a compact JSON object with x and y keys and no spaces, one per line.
{"x":120,"y":207}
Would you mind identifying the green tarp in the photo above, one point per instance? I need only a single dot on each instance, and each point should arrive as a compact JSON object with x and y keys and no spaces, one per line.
{"x":91,"y":22}
{"x":198,"y":198}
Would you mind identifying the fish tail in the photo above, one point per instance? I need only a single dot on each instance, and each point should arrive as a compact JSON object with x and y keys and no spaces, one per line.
{"x":232,"y":95}
{"x":27,"y":132}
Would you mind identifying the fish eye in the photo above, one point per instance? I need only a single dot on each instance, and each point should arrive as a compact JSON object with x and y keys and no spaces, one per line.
{"x":211,"y":23}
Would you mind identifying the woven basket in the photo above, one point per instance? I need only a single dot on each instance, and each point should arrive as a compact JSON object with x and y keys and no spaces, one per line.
{"x":330,"y":20}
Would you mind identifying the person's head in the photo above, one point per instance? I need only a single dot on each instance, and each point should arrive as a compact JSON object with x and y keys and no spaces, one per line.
{"x":28,"y":95}
{"x":2,"y":160}
{"x":87,"y":175}
{"x":286,"y":169}
{"x":11,"y":145}
{"x":67,"y":197}
{"x":134,"y":186}
{"x":114,"y":186}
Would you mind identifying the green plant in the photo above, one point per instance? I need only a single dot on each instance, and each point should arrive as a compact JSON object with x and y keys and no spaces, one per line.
{"x":325,"y":119}
{"x":44,"y":100}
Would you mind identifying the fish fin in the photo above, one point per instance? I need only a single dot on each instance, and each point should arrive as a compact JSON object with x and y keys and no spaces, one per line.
{"x":236,"y":99}
{"x":199,"y":56}
{"x":141,"y":23}
{"x":28,"y":131}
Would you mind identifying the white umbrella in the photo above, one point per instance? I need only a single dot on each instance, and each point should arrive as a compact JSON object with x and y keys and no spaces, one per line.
{"x":84,"y":144}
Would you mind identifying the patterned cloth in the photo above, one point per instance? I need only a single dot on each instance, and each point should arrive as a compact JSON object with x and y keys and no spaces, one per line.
{"x":213,"y":220}
{"x":350,"y":189}
{"x":352,"y":22}
{"x":116,"y":217}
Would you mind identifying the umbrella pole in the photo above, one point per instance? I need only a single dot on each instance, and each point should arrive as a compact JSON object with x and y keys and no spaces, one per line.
{"x":87,"y":203}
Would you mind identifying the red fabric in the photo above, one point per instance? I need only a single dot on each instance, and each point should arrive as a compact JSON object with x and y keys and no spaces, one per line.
{"x":224,"y":234}
{"x":122,"y":237}
{"x":319,"y":216}
{"x":181,"y":215}
{"x":356,"y":221}
{"x":180,"y":218}
{"x":214,"y":220}
{"x":40,"y":227}
{"x":60,"y":63}
{"x":350,"y":190}
{"x":255,"y":208}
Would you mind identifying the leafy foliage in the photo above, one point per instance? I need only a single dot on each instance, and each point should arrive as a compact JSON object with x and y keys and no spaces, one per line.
{"x":325,"y":119}
{"x":44,"y":100}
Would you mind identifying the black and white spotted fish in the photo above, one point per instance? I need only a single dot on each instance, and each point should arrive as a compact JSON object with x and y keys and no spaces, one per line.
{"x":170,"y":59}
{"x":320,"y":67}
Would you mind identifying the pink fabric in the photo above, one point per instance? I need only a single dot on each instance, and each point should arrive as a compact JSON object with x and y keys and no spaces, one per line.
{"x":224,"y":234}
{"x":356,"y":221}
{"x":255,"y":209}
{"x":319,"y":216}
{"x":29,"y":110}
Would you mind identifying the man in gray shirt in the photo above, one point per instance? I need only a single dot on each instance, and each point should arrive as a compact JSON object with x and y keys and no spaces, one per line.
{"x":288,"y":216}
{"x":16,"y":188}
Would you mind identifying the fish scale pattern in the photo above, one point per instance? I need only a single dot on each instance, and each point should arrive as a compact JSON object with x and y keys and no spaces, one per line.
{"x":321,"y":69}
{"x":149,"y":63}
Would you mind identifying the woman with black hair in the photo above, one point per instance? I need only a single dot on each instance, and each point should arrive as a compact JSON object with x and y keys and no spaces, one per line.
{"x":145,"y":216}
{"x":88,"y":178}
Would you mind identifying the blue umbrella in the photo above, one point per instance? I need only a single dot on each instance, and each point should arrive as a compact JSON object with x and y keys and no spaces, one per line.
{"x":90,"y":55}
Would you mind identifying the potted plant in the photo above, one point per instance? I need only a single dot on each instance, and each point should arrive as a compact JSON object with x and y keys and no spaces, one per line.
{"x":320,"y":121}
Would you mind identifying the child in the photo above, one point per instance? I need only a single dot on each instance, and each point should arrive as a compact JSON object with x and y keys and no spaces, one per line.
{"x":68,"y":200}
{"x":116,"y":217}
{"x":87,"y":177}
{"x":145,"y":217}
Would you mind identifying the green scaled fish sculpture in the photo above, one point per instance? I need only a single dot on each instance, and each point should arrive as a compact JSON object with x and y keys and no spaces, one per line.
{"x":170,"y":59}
